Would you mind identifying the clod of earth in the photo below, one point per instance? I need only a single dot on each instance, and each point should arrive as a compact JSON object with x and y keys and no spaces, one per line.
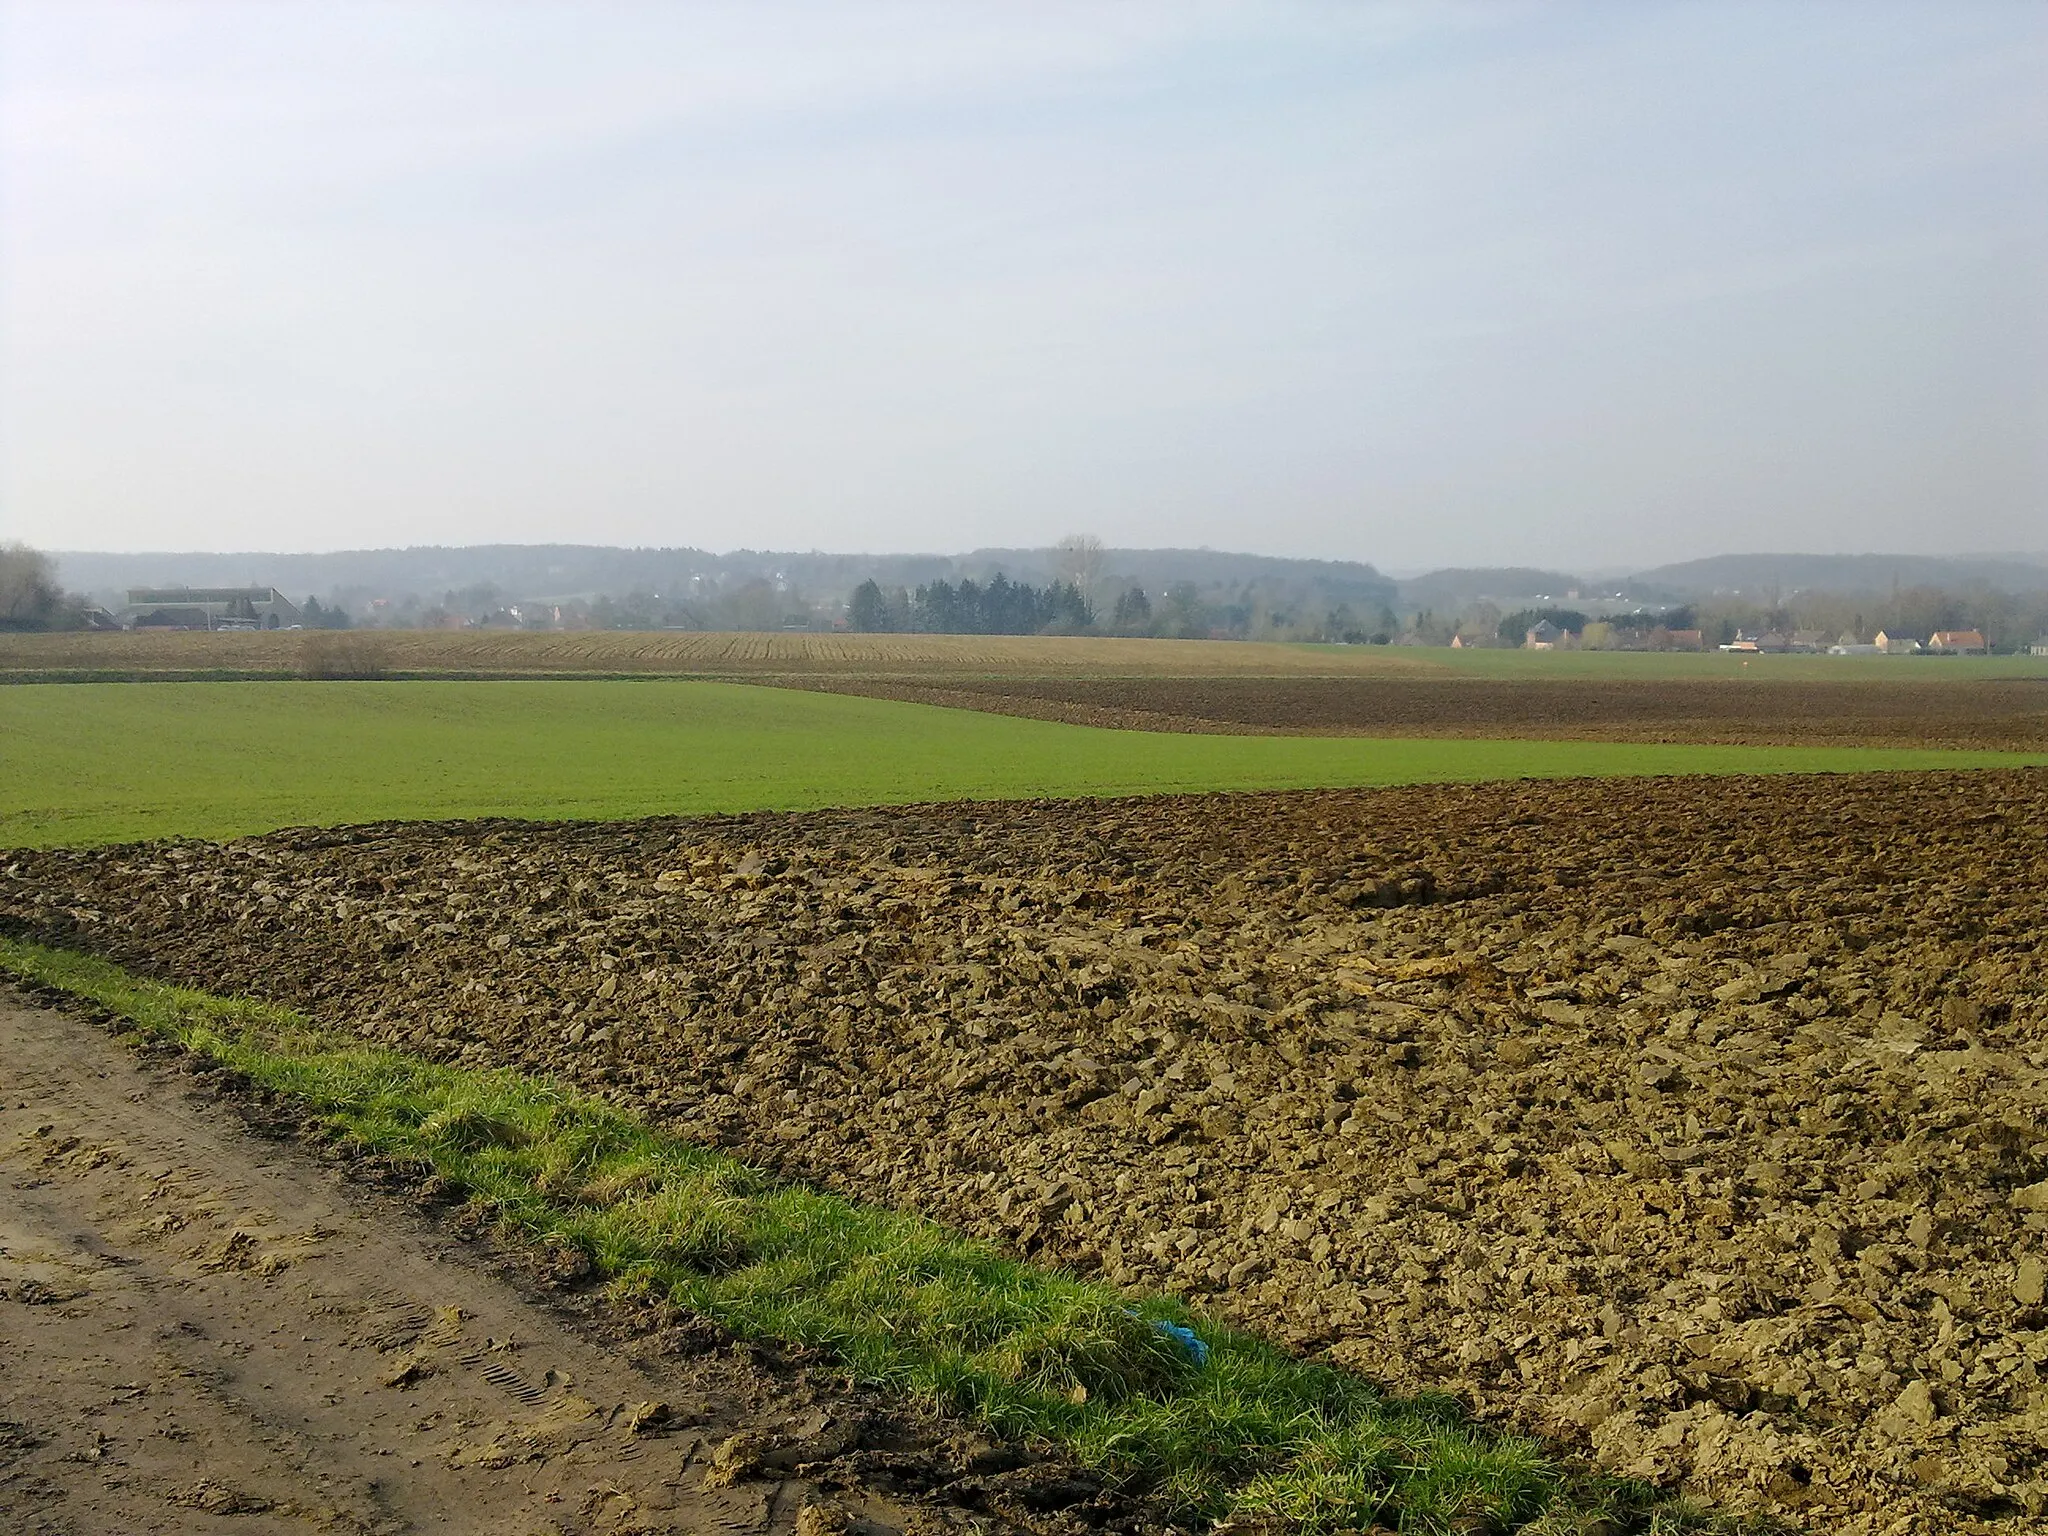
{"x":822,"y":1520}
{"x":1698,"y":1123}
{"x":736,"y":1459}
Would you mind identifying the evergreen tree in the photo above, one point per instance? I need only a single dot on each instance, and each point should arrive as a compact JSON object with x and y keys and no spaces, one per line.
{"x":1133,"y":614}
{"x":869,"y":610}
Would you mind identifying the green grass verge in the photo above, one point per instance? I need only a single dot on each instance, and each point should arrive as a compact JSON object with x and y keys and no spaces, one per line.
{"x":99,"y":763}
{"x":901,"y":1302}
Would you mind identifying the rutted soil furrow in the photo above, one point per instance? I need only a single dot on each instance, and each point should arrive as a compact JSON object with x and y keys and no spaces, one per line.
{"x":203,"y":1330}
{"x":1699,"y":1123}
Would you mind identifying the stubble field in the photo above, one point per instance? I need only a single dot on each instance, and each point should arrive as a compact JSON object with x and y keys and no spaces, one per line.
{"x":1695,"y":1122}
{"x":449,"y":653}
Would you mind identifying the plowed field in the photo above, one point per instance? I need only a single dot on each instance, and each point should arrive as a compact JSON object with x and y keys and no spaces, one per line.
{"x":1902,"y":710}
{"x":1700,"y":1123}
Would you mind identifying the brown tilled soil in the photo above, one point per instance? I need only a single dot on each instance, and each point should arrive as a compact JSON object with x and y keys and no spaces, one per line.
{"x":1698,"y":1123}
{"x":1990,"y":715}
{"x":203,"y":1331}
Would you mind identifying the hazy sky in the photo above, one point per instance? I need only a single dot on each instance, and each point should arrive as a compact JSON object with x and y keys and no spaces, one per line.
{"x":1592,"y":285}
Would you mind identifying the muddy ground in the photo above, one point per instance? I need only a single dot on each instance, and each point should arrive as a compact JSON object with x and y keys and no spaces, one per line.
{"x":205,"y":1331}
{"x":1696,"y":1123}
{"x":1902,"y":711}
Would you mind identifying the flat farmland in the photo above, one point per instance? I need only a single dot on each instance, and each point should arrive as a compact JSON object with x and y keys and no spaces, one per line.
{"x":1913,"y":705}
{"x":105,"y":762}
{"x":444,"y":653}
{"x":1189,"y":687}
{"x":799,"y":656}
{"x":1695,"y":1122}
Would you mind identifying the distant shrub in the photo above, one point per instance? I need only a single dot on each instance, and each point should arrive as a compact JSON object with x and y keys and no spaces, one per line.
{"x":340,"y":655}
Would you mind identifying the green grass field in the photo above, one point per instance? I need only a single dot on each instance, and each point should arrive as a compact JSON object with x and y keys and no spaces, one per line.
{"x":95,"y":763}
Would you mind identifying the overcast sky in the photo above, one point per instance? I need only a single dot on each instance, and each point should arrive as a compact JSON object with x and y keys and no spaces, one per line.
{"x":1580,"y":285}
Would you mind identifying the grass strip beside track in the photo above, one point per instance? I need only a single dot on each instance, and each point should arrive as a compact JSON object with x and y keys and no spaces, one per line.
{"x":100,"y":763}
{"x":902,"y":1303}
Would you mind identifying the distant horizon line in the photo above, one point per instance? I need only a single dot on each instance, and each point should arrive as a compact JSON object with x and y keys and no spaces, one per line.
{"x":1404,"y":573}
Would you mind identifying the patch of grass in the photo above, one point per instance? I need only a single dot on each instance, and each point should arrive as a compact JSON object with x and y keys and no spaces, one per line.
{"x":111,"y":762}
{"x":901,"y":1302}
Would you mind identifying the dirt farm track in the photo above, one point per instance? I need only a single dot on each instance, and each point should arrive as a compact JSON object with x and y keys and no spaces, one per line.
{"x":1700,"y":1124}
{"x":208,"y":1330}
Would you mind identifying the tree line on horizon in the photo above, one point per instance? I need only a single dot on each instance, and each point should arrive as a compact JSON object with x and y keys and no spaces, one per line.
{"x":1183,"y":612}
{"x":1087,"y":599}
{"x":999,"y":607}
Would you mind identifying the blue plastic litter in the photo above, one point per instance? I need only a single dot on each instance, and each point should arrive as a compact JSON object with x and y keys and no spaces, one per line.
{"x":1198,"y":1352}
{"x":1185,"y":1337}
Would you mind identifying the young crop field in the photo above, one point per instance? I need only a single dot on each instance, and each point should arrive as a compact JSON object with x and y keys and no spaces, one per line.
{"x":111,"y":762}
{"x":1695,"y":1123}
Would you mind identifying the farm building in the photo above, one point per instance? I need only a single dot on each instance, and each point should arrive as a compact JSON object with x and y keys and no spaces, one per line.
{"x":208,"y":608}
{"x":1896,"y":645}
{"x":1957,"y":642}
{"x":1543,"y":636}
{"x":1677,"y":640}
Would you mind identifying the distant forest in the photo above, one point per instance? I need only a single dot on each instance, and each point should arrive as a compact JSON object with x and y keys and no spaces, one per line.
{"x":1003,"y":607}
{"x":1075,"y":586}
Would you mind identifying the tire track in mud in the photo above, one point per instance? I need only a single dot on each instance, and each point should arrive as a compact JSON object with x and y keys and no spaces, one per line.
{"x":196,"y":1324}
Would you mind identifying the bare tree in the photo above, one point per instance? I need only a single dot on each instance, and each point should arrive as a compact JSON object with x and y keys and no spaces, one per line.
{"x":29,"y":595}
{"x":1078,"y":558}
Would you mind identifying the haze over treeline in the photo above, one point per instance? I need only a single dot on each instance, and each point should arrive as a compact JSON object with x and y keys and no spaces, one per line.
{"x":1079,"y":585}
{"x":558,"y":570}
{"x":542,"y":571}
